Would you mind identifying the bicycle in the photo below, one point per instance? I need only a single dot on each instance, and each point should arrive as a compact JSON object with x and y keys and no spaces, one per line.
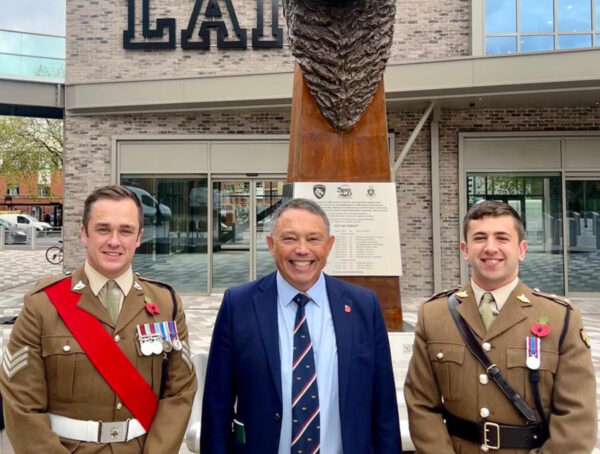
{"x":54,"y":254}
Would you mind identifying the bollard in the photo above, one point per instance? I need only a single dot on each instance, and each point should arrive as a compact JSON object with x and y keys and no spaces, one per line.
{"x":2,"y":237}
{"x":33,"y":238}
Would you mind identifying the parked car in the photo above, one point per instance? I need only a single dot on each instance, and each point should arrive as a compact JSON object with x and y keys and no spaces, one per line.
{"x":12,"y":235}
{"x":24,"y":220}
{"x":150,"y":206}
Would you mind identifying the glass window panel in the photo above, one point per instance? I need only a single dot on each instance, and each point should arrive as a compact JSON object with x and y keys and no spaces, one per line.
{"x":269,"y":195}
{"x":34,"y":16}
{"x":597,"y":14}
{"x":43,"y":67}
{"x":10,"y":64}
{"x":537,"y":16}
{"x":43,"y":46}
{"x":574,"y":15}
{"x":574,"y":41}
{"x":500,"y":16}
{"x":597,"y":40}
{"x":536,"y":43}
{"x":583,"y":230}
{"x":10,"y":43}
{"x":501,"y":45}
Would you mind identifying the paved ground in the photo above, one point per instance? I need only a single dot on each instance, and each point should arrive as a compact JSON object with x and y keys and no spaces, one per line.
{"x":20,"y":269}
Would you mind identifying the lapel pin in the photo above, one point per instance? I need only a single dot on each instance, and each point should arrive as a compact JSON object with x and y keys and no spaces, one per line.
{"x":137,"y":286}
{"x":523,"y":298}
{"x":462,"y":294}
{"x":79,"y":286}
{"x":151,"y":307}
{"x":347,"y":309}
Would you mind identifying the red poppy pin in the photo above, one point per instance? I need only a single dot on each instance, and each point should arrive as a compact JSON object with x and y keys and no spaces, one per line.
{"x":541,"y":329}
{"x":347,"y":308}
{"x":151,"y":307}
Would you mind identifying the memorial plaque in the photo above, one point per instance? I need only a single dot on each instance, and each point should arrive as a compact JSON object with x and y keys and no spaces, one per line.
{"x":364,"y":220}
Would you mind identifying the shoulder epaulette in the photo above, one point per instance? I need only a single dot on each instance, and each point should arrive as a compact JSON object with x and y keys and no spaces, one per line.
{"x":552,"y":297}
{"x":47,"y":282}
{"x":442,"y":294}
{"x":153,"y":281}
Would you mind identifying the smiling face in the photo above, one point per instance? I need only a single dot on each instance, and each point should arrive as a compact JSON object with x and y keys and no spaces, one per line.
{"x":112,"y":235}
{"x":300,"y":245}
{"x":493,"y":249}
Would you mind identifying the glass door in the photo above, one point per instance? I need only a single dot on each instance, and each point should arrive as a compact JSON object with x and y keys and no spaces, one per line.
{"x":231,"y":233}
{"x":174,"y":242}
{"x":583,"y":235}
{"x":268,"y":196}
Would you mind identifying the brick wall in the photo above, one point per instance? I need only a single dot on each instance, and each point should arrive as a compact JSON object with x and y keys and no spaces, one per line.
{"x":425,"y":29}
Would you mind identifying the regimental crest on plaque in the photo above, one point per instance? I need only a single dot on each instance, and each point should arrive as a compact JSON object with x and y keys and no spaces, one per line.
{"x":319,"y":190}
{"x":344,"y":191}
{"x":370,"y":192}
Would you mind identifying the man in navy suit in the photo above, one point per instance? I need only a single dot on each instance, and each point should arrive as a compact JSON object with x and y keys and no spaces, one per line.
{"x":300,"y":361}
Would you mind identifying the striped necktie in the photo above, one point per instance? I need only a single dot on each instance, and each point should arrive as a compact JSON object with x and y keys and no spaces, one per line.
{"x":306,"y":422}
{"x":485,"y":310}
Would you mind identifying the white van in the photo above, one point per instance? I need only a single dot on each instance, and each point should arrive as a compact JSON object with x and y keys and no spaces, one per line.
{"x":24,"y":220}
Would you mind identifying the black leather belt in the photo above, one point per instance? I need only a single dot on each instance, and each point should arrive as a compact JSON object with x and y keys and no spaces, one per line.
{"x":496,"y":436}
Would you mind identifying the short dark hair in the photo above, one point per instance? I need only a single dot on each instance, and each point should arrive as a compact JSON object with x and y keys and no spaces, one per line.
{"x":299,"y":204}
{"x":494,"y":209}
{"x":110,"y":192}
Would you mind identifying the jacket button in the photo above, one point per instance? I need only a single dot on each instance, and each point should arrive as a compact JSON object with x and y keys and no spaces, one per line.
{"x":484,"y":412}
{"x":440,"y":355}
{"x":483,"y":379}
{"x":66,"y":348}
{"x":486,"y":346}
{"x":117,"y":338}
{"x":119,"y":405}
{"x":277,"y":417}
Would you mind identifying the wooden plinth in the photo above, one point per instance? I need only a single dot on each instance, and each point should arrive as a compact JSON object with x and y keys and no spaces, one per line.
{"x":320,"y":153}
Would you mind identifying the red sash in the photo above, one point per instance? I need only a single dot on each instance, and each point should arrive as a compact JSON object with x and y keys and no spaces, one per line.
{"x":104,"y":353}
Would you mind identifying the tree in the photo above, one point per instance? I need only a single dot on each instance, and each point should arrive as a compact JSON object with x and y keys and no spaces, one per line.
{"x":29,"y":145}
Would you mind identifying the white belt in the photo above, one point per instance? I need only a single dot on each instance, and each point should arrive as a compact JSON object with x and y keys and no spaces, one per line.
{"x":95,"y":431}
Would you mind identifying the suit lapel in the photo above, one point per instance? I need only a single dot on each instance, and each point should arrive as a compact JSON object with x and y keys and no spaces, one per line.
{"x":88,"y":301}
{"x":342,"y":323}
{"x":513,"y":311}
{"x":265,"y":308}
{"x":469,"y":310}
{"x":133,"y":304}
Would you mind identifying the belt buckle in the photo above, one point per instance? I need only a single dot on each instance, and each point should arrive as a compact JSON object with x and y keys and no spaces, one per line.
{"x":486,"y":439}
{"x":113,"y":432}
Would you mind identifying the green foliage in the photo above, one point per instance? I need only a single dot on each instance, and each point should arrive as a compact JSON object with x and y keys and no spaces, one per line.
{"x":29,"y":145}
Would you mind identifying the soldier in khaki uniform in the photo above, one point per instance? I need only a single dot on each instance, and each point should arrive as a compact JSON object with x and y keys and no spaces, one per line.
{"x":447,"y":384}
{"x":55,"y":399}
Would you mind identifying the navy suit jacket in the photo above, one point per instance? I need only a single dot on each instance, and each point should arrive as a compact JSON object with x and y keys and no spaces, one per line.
{"x":244,"y":369}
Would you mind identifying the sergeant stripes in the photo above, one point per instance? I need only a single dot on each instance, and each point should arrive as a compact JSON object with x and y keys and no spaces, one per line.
{"x":14,"y":363}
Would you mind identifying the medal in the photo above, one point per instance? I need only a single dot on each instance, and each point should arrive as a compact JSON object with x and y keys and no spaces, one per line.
{"x":156,"y":340}
{"x":164,"y":329}
{"x":534,"y":352}
{"x":145,"y":345}
{"x":174,"y":336}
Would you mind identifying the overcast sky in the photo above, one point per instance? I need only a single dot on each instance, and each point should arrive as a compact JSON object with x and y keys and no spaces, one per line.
{"x":35,"y":16}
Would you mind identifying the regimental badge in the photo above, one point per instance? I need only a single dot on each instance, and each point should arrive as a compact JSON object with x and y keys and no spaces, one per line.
{"x":319,"y":190}
{"x":523,"y":298}
{"x":585,"y":338}
{"x":462,"y":294}
{"x":371,"y":192}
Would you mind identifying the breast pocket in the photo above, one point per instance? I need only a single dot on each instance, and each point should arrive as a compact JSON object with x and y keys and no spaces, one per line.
{"x":69,"y":372}
{"x":518,"y":374}
{"x":446,"y":361}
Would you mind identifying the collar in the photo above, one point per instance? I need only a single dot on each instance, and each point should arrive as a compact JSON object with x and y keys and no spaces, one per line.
{"x":287,"y":292}
{"x":97,"y":280}
{"x":500,"y":294}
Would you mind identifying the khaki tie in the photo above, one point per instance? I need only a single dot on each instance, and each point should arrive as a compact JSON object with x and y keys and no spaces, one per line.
{"x":485,"y":310}
{"x":112,"y":299}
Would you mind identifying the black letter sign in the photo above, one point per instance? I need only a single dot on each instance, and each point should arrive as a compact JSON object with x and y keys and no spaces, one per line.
{"x":213,"y":12}
{"x":259,"y":31}
{"x":161,"y":25}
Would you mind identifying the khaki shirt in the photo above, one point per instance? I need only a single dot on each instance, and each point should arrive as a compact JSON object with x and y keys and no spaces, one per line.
{"x":444,"y":374}
{"x":63,"y":381}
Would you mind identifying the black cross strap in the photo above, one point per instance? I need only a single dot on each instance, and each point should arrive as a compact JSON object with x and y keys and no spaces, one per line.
{"x":491,"y":369}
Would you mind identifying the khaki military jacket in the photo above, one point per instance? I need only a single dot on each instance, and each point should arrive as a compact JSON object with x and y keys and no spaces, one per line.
{"x":444,"y":374}
{"x":46,"y":377}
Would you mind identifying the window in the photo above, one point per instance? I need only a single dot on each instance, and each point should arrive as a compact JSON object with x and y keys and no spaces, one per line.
{"x":12,"y":189}
{"x":43,"y":190}
{"x":513,"y":26}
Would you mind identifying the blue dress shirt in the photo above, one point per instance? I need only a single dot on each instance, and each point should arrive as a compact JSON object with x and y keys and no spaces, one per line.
{"x":322,"y":335}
